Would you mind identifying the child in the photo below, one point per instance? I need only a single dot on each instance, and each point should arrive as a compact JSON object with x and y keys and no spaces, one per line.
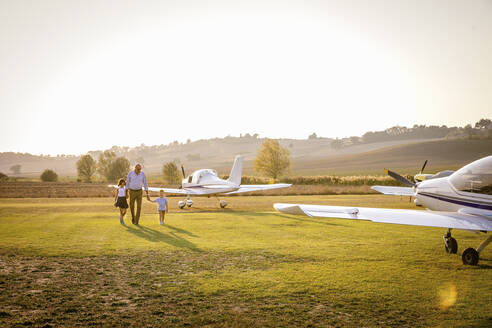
{"x":162,"y":201}
{"x":120,"y":199}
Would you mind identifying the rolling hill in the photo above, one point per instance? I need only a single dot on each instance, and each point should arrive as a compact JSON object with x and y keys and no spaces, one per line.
{"x":407,"y":158}
{"x":309,"y":156}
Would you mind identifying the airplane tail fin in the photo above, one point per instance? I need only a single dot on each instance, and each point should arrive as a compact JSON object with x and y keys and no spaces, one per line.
{"x":236,"y":171}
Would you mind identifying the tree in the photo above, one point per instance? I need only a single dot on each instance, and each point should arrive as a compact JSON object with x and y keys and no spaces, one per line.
{"x":170,"y":173}
{"x":16,"y":169}
{"x":104,"y":162}
{"x":354,"y":140}
{"x":313,"y":136}
{"x":483,"y":124}
{"x":336,"y":144}
{"x":111,"y":167}
{"x":49,"y":176}
{"x":272,"y":159}
{"x":3,"y":177}
{"x":86,"y":167}
{"x":119,"y":168}
{"x":469,"y":131}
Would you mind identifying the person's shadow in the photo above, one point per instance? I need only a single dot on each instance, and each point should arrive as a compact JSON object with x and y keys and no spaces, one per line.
{"x":170,"y":238}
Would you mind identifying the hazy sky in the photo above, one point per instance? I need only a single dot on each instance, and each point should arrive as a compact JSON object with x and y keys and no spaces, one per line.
{"x":85,"y":75}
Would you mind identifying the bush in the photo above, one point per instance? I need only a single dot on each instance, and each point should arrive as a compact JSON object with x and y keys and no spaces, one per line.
{"x":3,"y":177}
{"x":327,"y":180}
{"x":49,"y":176}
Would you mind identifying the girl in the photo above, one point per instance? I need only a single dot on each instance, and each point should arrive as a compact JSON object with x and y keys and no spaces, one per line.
{"x":162,"y":201}
{"x":120,"y":199}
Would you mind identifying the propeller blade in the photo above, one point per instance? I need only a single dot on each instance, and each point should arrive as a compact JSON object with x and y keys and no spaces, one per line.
{"x":399,"y":178}
{"x":183,"y":170}
{"x":423,"y":167}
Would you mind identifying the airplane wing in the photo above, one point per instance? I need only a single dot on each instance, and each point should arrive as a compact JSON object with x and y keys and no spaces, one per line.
{"x":398,"y":191}
{"x":166,"y":190}
{"x":453,"y":220}
{"x":247,"y":188}
{"x":172,"y":191}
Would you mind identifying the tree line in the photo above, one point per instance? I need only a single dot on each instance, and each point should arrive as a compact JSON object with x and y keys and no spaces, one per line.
{"x":481,"y":129}
{"x":272,"y":161}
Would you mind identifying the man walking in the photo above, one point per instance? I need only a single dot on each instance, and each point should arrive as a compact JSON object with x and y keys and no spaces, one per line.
{"x":134,"y":182}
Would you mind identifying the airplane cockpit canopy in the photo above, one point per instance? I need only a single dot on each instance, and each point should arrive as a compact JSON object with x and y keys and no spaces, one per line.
{"x":475,"y":177}
{"x":199,"y":175}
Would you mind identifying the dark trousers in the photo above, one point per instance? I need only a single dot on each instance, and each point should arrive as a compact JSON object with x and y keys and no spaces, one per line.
{"x":135,"y":195}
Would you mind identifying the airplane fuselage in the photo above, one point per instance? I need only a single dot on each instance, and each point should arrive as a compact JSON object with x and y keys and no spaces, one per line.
{"x":207,"y":182}
{"x":440,"y":195}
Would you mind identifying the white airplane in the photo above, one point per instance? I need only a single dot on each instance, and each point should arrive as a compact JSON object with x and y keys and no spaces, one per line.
{"x":206,"y":182}
{"x":462,"y":201}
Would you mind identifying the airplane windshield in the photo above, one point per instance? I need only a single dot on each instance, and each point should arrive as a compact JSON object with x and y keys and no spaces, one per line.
{"x":475,"y":177}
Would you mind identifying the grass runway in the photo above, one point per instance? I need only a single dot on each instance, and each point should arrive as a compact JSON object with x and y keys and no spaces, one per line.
{"x":68,"y":262}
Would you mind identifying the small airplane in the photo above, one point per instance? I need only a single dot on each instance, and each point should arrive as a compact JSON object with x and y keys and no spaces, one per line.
{"x":462,"y":200}
{"x":206,"y":182}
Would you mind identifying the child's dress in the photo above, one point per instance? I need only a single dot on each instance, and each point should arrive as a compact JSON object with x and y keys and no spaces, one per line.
{"x":121,"y":202}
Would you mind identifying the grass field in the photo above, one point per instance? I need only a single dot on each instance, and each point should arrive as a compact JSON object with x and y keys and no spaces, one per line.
{"x":68,"y":262}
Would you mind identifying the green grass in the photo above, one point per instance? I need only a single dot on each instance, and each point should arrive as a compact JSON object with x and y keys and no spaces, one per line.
{"x":69,"y":262}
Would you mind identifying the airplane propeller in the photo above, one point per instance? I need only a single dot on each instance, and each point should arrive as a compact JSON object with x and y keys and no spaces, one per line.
{"x":400,"y":178}
{"x":183,"y":171}
{"x":423,"y":167}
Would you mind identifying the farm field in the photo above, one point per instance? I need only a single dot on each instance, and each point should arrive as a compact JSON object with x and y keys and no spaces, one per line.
{"x":68,"y":262}
{"x":405,"y":158}
{"x":37,"y":189}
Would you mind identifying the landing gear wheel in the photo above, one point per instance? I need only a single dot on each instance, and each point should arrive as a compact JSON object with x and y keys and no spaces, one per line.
{"x":451,"y":245}
{"x":222,"y":203}
{"x":470,"y":256}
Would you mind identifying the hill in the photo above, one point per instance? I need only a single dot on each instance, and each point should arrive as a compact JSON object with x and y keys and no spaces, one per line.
{"x":215,"y":153}
{"x":396,"y":147}
{"x":407,"y":158}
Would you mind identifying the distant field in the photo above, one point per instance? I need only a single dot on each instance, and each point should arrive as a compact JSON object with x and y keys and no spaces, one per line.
{"x":68,"y":262}
{"x":33,"y":189}
{"x":407,"y":158}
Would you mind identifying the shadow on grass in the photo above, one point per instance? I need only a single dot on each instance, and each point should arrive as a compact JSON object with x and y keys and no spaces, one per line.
{"x":179,"y":230}
{"x":197,"y":209}
{"x":156,"y":236}
{"x":311,"y":220}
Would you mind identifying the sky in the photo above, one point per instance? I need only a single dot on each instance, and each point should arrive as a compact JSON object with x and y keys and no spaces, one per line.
{"x":86,"y":75}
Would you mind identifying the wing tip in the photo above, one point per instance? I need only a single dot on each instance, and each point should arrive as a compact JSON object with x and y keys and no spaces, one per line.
{"x":290,"y":209}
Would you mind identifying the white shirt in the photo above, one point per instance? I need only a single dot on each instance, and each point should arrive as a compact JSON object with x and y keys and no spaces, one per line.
{"x":121,"y":192}
{"x":136,"y":182}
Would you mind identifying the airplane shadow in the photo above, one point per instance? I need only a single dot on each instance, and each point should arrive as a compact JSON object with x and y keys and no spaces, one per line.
{"x":311,"y":220}
{"x":171,"y":238}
